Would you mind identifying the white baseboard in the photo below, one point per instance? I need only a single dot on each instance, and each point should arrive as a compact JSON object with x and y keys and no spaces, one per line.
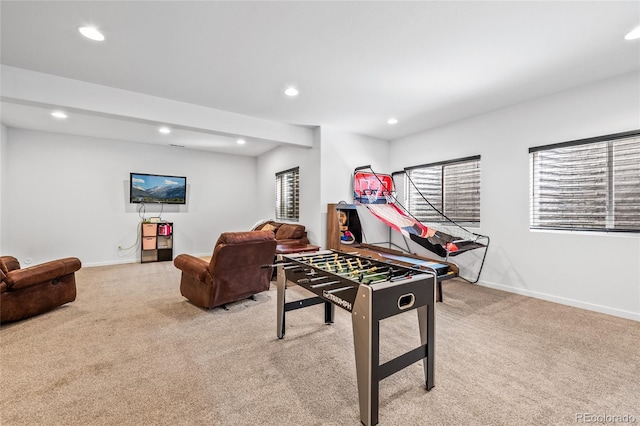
{"x":109,"y":263}
{"x":564,"y":301}
{"x":124,"y":261}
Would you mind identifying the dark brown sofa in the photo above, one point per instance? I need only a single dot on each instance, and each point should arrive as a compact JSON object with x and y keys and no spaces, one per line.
{"x":234,"y":273}
{"x":36,"y":289}
{"x":285,"y":233}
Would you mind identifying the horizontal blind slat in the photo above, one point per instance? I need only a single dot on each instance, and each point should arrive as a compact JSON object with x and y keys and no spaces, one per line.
{"x":288,"y":194}
{"x":459,"y":199}
{"x":589,"y":186}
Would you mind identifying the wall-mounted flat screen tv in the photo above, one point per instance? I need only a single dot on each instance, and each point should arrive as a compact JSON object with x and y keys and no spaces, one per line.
{"x":164,"y":189}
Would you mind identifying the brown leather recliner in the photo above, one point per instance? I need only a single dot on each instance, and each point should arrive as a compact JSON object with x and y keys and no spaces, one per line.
{"x":234,"y":273}
{"x":36,"y":289}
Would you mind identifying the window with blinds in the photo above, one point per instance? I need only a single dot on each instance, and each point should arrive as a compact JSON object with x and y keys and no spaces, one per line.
{"x":590,"y":184}
{"x":288,"y":194}
{"x":451,"y":188}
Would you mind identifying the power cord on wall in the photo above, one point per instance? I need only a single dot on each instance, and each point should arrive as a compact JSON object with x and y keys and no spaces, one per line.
{"x":151,"y":219}
{"x":137,"y":241}
{"x":141,"y":213}
{"x":142,"y":208}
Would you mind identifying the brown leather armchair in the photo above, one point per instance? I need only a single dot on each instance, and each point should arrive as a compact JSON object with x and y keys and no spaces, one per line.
{"x":36,"y":289}
{"x":234,"y":273}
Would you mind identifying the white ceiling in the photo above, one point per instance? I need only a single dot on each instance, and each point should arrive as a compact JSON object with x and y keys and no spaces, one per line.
{"x":356,"y":64}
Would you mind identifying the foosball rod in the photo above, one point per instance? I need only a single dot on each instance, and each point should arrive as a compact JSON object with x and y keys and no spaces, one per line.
{"x":354,"y":272}
{"x":343,"y":268}
{"x":343,"y":261}
{"x":337,"y":266}
{"x":332,"y":256}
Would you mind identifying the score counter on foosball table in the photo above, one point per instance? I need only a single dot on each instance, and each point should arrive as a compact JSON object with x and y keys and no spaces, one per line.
{"x":371,"y":291}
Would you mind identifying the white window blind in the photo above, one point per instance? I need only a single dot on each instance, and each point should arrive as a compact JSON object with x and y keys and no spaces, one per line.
{"x":590,"y":184}
{"x":288,"y":194}
{"x":451,"y":187}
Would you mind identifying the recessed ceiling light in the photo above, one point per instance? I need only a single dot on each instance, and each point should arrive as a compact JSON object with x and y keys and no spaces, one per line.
{"x":91,"y":33}
{"x":291,"y":91}
{"x":634,"y":34}
{"x":392,"y":120}
{"x":241,"y":141}
{"x":164,"y":130}
{"x":59,"y":114}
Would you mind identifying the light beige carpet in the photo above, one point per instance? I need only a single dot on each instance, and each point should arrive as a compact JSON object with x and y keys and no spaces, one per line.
{"x":132,"y":351}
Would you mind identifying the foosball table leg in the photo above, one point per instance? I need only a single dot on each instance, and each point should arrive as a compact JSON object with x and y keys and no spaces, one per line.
{"x":366,"y":335}
{"x":281,"y":285}
{"x":426,"y":324}
{"x":329,"y":312}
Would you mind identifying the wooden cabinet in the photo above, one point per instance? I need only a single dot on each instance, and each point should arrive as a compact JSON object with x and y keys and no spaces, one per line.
{"x":343,"y":227}
{"x":156,"y":242}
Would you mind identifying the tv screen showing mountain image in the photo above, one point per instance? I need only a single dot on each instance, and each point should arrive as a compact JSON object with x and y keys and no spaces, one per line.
{"x":164,"y":189}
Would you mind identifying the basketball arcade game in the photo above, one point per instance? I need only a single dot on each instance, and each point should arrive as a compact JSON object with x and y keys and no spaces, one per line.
{"x":371,"y":291}
{"x":442,"y":236}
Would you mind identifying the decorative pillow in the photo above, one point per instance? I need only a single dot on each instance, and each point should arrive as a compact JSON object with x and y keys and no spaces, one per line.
{"x":288,"y":231}
{"x":269,"y":227}
{"x":2,"y":276}
{"x":3,"y":268}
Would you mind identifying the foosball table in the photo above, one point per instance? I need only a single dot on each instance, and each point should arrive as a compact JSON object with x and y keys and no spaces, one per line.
{"x":371,"y":291}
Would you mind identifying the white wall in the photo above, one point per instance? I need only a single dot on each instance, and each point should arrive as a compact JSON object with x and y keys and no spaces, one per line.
{"x":69,"y":197}
{"x":3,"y":180}
{"x":341,"y":153}
{"x":284,"y":158}
{"x":590,"y":270}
